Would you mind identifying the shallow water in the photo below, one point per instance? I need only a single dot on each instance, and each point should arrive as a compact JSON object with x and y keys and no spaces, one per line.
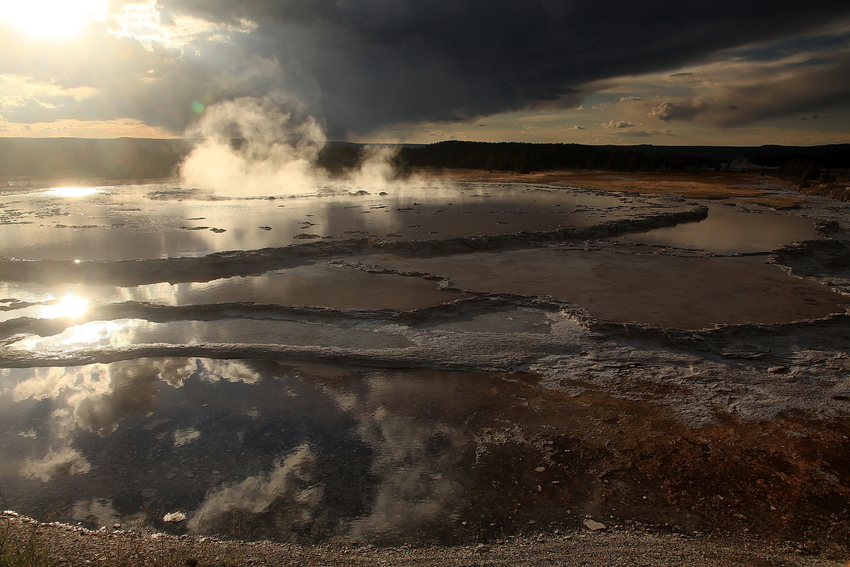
{"x":151,"y":221}
{"x":133,"y":332}
{"x":728,"y":230}
{"x":320,"y":285}
{"x":295,"y":453}
{"x":394,"y":448}
{"x":305,"y":453}
{"x":682,"y":292}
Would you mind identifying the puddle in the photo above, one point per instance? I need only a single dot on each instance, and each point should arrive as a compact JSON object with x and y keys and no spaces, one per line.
{"x":136,"y":332}
{"x":319,"y":285}
{"x":688,"y":293}
{"x":263,"y":450}
{"x":283,"y":452}
{"x":152,"y":221}
{"x":728,"y":230}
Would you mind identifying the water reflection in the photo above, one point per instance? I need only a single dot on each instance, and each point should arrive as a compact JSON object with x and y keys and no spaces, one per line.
{"x":248,"y":448}
{"x":129,"y":332}
{"x":74,"y":191}
{"x":416,"y":448}
{"x":159,"y":221}
{"x":728,"y":230}
{"x":304,"y":453}
{"x":70,"y":306}
{"x":316,"y":285}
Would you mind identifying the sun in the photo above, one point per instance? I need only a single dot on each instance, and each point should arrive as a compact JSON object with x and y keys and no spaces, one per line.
{"x":52,"y":19}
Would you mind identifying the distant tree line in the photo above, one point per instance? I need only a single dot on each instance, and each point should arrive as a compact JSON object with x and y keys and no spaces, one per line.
{"x":116,"y":159}
{"x":525,"y":157}
{"x":137,"y":159}
{"x":807,"y":171}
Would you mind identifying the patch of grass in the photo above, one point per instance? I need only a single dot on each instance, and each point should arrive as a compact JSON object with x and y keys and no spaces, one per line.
{"x":19,"y":549}
{"x":775,"y":202}
{"x":21,"y":552}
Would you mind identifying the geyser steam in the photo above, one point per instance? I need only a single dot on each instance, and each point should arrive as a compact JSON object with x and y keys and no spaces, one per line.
{"x":251,"y":146}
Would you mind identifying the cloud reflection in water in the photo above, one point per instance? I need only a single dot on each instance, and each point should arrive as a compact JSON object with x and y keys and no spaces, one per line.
{"x":281,"y":452}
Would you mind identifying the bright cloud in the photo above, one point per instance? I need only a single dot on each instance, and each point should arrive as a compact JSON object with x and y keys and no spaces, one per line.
{"x":52,"y":19}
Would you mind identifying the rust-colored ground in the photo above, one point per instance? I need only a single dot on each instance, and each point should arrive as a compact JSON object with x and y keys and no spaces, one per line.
{"x":743,"y":187}
{"x":622,"y":460}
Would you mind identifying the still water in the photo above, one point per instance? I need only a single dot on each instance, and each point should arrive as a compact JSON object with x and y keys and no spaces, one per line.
{"x":262,"y":449}
{"x":161,"y":221}
{"x":252,"y":449}
{"x":728,"y":230}
{"x":320,"y":285}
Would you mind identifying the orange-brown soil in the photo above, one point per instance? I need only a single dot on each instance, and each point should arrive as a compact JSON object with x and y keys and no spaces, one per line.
{"x":738,"y":187}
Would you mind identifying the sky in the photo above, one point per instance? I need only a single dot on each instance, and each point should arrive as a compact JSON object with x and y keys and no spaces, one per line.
{"x":748,"y":72}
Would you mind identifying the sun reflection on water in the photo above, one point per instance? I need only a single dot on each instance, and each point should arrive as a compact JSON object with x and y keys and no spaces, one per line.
{"x":88,"y":335}
{"x":70,"y":306}
{"x":74,"y":191}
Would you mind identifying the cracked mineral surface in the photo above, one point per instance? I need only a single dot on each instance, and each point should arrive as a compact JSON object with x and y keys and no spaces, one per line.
{"x":449,"y":364}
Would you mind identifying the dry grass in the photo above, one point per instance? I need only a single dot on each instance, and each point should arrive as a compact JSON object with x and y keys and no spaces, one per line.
{"x":27,"y":543}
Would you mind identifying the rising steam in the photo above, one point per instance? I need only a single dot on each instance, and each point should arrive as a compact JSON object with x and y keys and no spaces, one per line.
{"x":252,"y":146}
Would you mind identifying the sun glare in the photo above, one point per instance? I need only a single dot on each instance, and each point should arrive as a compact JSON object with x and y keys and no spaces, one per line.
{"x":73,"y":191}
{"x":69,"y":306}
{"x":52,"y":19}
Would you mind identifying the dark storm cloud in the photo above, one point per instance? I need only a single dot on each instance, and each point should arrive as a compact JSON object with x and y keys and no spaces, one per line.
{"x":823,"y":43}
{"x":377,"y":62}
{"x":746,"y":92}
{"x":798,"y":90}
{"x":363,"y":64}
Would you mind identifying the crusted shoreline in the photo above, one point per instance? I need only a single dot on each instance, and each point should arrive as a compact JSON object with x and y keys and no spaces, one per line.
{"x":629,"y":545}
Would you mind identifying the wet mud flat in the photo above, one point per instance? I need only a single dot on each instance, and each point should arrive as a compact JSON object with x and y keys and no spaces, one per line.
{"x":573,"y":381}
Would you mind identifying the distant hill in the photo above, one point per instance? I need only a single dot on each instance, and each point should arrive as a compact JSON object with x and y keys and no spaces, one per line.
{"x":833,"y":155}
{"x":136,"y":158}
{"x":537,"y":157}
{"x":116,"y":158}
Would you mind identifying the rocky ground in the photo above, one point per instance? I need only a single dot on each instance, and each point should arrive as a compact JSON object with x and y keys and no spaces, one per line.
{"x":622,"y":546}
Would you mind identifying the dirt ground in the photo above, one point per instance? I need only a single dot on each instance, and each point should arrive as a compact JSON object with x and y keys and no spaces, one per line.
{"x":620,"y":546}
{"x":742,"y":187}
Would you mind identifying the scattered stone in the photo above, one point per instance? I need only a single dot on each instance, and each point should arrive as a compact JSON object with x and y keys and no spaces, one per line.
{"x":593,"y":525}
{"x":174,"y":517}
